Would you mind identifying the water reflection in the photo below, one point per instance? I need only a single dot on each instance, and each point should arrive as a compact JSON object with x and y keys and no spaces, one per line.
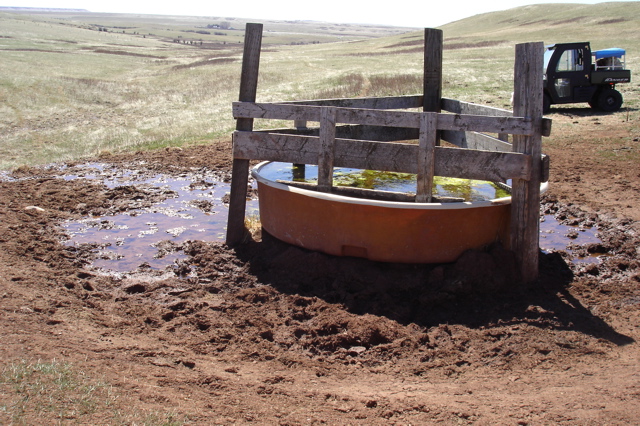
{"x":151,"y":236}
{"x":555,"y":236}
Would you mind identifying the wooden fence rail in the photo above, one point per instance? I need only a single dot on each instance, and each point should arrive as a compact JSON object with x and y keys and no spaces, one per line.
{"x":458,"y":122}
{"x":391,"y":157}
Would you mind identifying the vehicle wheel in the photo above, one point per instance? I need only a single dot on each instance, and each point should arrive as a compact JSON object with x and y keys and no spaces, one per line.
{"x":546,"y":104}
{"x":609,"y":100}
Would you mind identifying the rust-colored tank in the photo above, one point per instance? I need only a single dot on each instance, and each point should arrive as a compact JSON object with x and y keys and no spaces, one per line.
{"x":387,"y":231}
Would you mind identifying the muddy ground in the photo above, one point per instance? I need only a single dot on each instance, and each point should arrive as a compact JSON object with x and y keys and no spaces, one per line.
{"x":267,"y":333}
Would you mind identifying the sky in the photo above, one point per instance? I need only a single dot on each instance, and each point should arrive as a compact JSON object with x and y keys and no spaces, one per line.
{"x":404,"y":13}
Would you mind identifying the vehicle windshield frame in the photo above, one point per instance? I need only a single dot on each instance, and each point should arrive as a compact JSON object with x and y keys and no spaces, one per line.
{"x":547,"y":57}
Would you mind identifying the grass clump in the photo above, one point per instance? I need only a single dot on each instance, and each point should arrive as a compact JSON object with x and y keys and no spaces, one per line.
{"x":54,"y":392}
{"x":50,"y":390}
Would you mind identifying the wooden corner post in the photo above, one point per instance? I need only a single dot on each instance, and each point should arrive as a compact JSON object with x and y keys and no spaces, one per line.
{"x":525,"y":208}
{"x":432,"y":85}
{"x":240,"y":172}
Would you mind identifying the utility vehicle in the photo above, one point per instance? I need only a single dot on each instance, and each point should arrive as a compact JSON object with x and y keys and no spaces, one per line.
{"x":573,"y":73}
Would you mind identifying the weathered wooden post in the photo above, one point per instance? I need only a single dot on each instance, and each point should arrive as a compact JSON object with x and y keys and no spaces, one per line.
{"x":525,"y":208}
{"x":431,"y":102}
{"x":426,"y":156}
{"x":240,"y":171}
{"x":432,"y":84}
{"x":327,"y":145}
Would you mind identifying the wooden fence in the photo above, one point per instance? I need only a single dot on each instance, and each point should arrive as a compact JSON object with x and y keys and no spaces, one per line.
{"x":367,"y":133}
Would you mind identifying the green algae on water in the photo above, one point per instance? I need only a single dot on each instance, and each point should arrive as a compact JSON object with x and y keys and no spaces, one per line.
{"x":469,"y":190}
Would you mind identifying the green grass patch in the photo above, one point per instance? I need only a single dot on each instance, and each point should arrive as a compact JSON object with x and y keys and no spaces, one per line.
{"x":48,"y":392}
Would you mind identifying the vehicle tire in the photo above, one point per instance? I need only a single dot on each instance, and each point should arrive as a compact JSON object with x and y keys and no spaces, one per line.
{"x":546,"y":104}
{"x":609,"y":100}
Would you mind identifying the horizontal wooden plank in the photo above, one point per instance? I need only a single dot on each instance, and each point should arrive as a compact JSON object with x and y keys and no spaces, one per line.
{"x":482,"y":165}
{"x":474,"y":140}
{"x":460,"y":122}
{"x":356,"y":131}
{"x":393,"y":157}
{"x":388,"y":102}
{"x":312,"y":113}
{"x":275,"y":147}
{"x":377,"y":133}
{"x":481,"y":123}
{"x":487,"y":143}
{"x":460,"y":107}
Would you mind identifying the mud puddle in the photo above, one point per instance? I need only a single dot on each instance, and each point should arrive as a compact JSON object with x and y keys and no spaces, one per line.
{"x":555,"y":236}
{"x":151,"y":237}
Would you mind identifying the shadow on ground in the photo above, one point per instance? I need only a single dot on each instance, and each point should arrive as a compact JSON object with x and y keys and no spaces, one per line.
{"x":476,"y":291}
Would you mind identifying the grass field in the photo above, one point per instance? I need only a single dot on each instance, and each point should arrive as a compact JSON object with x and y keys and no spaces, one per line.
{"x":76,"y":85}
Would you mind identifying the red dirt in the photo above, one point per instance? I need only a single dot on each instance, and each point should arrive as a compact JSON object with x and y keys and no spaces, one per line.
{"x":268,"y":333}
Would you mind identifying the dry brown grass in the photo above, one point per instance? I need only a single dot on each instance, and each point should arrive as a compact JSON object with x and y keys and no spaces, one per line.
{"x":69,"y":92}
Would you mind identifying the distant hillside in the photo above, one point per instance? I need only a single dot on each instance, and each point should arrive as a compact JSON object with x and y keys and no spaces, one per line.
{"x":231,"y":29}
{"x":614,"y":23}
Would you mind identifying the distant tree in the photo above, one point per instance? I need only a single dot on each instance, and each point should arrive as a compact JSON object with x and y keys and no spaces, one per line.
{"x":225,"y":25}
